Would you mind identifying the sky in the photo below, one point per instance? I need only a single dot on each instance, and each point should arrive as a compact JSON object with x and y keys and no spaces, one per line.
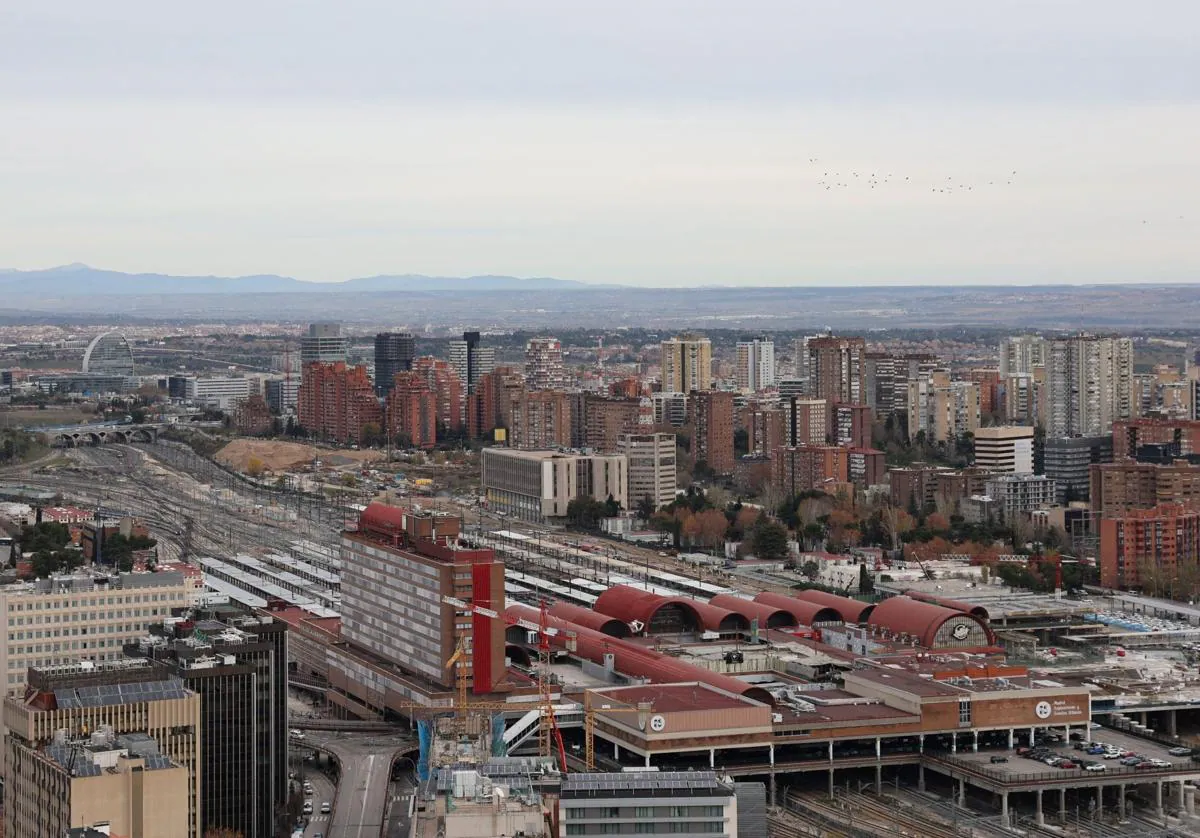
{"x":647,"y":142}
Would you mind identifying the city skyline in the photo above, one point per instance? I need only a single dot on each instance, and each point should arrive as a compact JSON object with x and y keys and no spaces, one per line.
{"x":669,"y":146}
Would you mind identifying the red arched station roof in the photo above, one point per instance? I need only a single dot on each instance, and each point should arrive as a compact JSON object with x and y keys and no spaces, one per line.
{"x":975,"y":610}
{"x":632,"y":659}
{"x":590,"y":619}
{"x":852,"y":610}
{"x":382,"y":520}
{"x":655,"y":613}
{"x":901,"y":615}
{"x":715,"y":618}
{"x":806,"y":613}
{"x":768,"y":617}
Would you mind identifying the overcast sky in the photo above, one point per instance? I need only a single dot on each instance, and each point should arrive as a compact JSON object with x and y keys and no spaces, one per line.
{"x":656,"y":142}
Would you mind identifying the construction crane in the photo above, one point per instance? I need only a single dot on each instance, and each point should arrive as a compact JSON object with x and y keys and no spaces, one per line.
{"x":549,"y":735}
{"x":643,"y":709}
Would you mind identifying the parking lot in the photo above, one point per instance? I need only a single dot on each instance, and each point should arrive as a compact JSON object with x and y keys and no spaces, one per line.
{"x":1025,"y":769}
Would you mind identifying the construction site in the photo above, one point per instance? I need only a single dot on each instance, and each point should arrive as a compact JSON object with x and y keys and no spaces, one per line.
{"x":524,"y":660}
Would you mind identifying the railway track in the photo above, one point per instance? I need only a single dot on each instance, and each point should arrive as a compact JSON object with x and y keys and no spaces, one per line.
{"x":861,"y":815}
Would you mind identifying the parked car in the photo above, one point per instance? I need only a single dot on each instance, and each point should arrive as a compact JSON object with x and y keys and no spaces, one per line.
{"x":996,"y":759}
{"x":325,"y":808}
{"x":1066,"y":763}
{"x":1095,"y":766}
{"x":1180,"y":752}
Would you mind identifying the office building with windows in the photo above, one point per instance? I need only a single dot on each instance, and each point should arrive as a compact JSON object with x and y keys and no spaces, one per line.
{"x":323,"y":343}
{"x":237,"y":664}
{"x":633,"y":805}
{"x":84,"y":616}
{"x":119,"y":698}
{"x":686,"y":363}
{"x":394,"y":352}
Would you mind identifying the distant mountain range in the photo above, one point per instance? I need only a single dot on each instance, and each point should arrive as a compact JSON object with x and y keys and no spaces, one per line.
{"x":77,"y":279}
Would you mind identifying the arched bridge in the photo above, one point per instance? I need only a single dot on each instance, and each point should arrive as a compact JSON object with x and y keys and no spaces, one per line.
{"x":74,"y":436}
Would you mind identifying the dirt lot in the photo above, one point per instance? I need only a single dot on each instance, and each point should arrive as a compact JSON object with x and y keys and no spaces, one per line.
{"x":281,"y":456}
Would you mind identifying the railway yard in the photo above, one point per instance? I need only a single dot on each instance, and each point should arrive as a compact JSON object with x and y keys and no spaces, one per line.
{"x":863,"y":737}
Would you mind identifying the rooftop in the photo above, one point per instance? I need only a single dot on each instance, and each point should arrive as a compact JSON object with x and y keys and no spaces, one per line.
{"x":673,"y":698}
{"x":645,"y":784}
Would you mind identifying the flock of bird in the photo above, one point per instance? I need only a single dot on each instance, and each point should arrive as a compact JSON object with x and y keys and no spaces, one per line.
{"x":831,"y":180}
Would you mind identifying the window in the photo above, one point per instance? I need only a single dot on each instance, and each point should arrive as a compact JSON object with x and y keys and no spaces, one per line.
{"x":964,"y":711}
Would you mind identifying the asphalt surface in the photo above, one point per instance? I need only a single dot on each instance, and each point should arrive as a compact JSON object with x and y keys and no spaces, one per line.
{"x":363,"y":789}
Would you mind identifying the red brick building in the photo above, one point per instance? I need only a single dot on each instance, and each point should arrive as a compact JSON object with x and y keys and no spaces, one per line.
{"x":412,"y":411}
{"x":710,"y":413}
{"x":336,"y":401}
{"x":1129,"y":434}
{"x":605,"y":421}
{"x":447,"y":389}
{"x":989,"y":389}
{"x":851,"y":425}
{"x":539,"y":419}
{"x":802,"y":468}
{"x":764,"y":428}
{"x":867,"y":467}
{"x":1149,"y":547}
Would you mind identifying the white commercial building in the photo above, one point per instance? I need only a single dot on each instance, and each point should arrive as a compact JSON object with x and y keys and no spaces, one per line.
{"x":534,"y":485}
{"x":1006,"y":449}
{"x":85,"y":616}
{"x":755,"y":365}
{"x":651,"y":467}
{"x":1016,"y":494}
{"x":220,"y":392}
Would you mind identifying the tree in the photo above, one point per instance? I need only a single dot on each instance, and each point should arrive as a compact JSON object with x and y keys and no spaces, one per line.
{"x":255,"y":467}
{"x":866,"y":582}
{"x":710,"y":526}
{"x":349,"y":481}
{"x":769,"y":539}
{"x":645,"y":507}
{"x":810,"y":570}
{"x":611,"y":508}
{"x":585,"y":513}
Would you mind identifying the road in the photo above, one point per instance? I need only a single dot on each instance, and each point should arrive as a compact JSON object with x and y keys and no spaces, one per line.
{"x":366,"y":762}
{"x":399,"y":823}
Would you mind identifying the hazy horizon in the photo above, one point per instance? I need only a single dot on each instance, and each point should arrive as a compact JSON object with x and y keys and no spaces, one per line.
{"x":667,"y":143}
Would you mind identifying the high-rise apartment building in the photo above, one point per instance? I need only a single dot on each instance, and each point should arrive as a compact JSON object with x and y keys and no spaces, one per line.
{"x":1180,"y":436}
{"x":237,"y":664}
{"x":1120,"y":488}
{"x":119,"y":698}
{"x":83,"y":616}
{"x":323,"y":344}
{"x":412,"y":411}
{"x":394,"y":352}
{"x":1022,"y":354}
{"x":836,"y":368}
{"x":803,"y":468}
{"x":471,"y":360}
{"x":755,"y":365}
{"x":1149,"y":548}
{"x":1089,"y":383}
{"x":282,"y":394}
{"x":669,"y":408}
{"x":337,"y":402}
{"x":1022,"y":396}
{"x":539,"y":419}
{"x":397,"y":568}
{"x":544,"y":368}
{"x":801,"y":362}
{"x":943,"y":409}
{"x":650,"y":467}
{"x":606,"y":420}
{"x":535,"y":485}
{"x":711,"y":418}
{"x":851,"y":425}
{"x":447,"y":388}
{"x":686,"y":364}
{"x":1005,"y":449}
{"x":806,"y":421}
{"x":764,"y":428}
